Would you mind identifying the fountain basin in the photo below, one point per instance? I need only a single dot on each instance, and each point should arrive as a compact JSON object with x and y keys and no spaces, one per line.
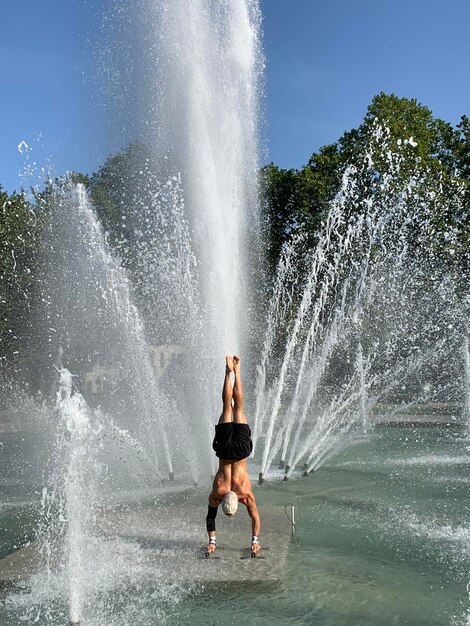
{"x":172,"y":539}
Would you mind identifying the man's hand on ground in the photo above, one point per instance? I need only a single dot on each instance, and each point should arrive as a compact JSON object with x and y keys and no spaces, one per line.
{"x":255,"y":547}
{"x":211,"y":548}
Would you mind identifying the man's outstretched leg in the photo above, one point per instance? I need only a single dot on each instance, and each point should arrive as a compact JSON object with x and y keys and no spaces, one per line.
{"x":227,"y":392}
{"x":238,"y":408}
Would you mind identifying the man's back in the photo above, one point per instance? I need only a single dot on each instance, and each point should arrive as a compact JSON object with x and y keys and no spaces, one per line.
{"x":232,"y":476}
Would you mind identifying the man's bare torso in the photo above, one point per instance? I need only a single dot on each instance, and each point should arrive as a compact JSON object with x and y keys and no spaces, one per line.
{"x":231,"y":476}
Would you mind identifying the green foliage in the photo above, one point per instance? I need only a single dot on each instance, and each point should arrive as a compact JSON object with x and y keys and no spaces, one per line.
{"x":461,"y":150}
{"x":278,"y":188}
{"x":299,"y":198}
{"x":432,"y":139}
{"x":18,"y":278}
{"x":120,"y":187}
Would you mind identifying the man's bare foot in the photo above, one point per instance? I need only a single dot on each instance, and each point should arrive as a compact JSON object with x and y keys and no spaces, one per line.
{"x":236,"y":364}
{"x":229,"y":364}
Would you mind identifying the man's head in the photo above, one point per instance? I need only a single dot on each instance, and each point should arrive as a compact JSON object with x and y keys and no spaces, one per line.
{"x":230,"y":503}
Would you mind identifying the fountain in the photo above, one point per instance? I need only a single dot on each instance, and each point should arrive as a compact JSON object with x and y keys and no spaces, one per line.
{"x":466,"y":360}
{"x":194,"y":197}
{"x":102,"y":318}
{"x":365,"y":329}
{"x":358,"y":328}
{"x":77,"y":490}
{"x":199,"y":97}
{"x":186,"y":294}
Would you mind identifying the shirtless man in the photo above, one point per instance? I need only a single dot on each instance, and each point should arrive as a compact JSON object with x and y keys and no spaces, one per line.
{"x":232,"y":444}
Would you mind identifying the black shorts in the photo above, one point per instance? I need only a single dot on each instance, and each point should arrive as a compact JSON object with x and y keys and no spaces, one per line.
{"x":232,"y":441}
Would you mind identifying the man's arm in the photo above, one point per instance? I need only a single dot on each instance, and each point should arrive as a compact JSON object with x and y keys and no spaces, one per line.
{"x":210,"y":522}
{"x":255,"y":522}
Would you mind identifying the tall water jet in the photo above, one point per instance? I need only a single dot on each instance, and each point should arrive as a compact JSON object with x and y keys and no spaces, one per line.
{"x":78,"y":496}
{"x":466,"y":360}
{"x":192,"y":101}
{"x":208,"y":67}
{"x":361,"y":373}
{"x":197,"y":78}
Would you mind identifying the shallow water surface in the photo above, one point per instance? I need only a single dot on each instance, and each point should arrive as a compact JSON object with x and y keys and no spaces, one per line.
{"x":383,"y":537}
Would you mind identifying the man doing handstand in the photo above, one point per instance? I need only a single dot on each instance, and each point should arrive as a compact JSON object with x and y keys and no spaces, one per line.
{"x":232,"y":444}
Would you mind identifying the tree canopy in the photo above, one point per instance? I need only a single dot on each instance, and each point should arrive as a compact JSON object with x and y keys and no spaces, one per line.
{"x":301,"y":197}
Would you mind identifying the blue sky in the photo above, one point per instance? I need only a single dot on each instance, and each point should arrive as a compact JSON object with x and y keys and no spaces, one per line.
{"x":325,"y":61}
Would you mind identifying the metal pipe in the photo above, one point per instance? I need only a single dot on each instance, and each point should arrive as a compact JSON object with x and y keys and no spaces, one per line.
{"x":291,"y":518}
{"x":292,"y":515}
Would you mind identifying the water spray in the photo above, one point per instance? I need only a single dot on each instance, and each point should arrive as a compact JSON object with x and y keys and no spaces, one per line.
{"x":466,"y":357}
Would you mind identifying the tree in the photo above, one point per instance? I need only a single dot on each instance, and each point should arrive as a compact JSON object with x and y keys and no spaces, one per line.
{"x":19,"y":225}
{"x":297,"y":199}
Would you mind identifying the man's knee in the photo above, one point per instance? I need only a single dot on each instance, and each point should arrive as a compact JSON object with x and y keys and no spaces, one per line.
{"x":227,"y":416}
{"x":238,"y":404}
{"x":239,"y":416}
